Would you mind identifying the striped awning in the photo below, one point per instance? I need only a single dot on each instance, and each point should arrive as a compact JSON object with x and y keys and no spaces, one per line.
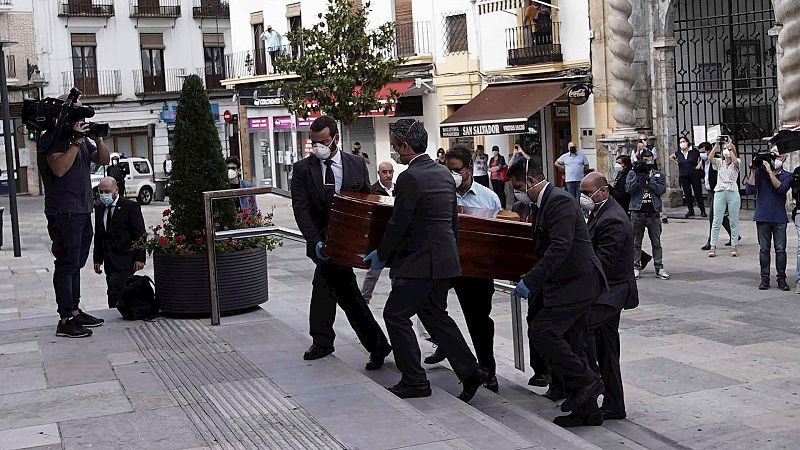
{"x":489,"y":6}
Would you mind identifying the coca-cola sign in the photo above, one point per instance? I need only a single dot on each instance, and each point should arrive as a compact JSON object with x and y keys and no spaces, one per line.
{"x":579,"y":94}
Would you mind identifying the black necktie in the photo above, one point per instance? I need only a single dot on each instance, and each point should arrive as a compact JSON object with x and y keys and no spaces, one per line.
{"x":330,"y":181}
{"x":109,"y":208}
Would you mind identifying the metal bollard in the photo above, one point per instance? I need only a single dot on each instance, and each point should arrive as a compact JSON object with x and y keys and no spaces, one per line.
{"x":2,"y":210}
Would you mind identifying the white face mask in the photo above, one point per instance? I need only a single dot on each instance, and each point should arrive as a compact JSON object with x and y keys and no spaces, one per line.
{"x":321,"y":151}
{"x":458,"y":178}
{"x":726,"y":153}
{"x":232,"y":174}
{"x":586,"y":201}
{"x":618,"y":167}
{"x":684,"y":145}
{"x":704,"y":156}
{"x":777,"y":164}
{"x":523,"y":196}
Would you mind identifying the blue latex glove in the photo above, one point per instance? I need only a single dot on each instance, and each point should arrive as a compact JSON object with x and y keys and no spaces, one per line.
{"x":320,"y":256}
{"x":521,"y":290}
{"x":374,"y":261}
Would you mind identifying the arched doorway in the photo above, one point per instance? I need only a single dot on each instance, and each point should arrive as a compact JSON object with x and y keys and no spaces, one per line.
{"x":726,"y":71}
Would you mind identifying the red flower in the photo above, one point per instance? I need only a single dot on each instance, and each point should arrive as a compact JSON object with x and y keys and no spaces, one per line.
{"x":234,"y":242}
{"x":180,"y":238}
{"x":166,"y":212}
{"x":163,"y":242}
{"x":179,"y":248}
{"x":199,"y":241}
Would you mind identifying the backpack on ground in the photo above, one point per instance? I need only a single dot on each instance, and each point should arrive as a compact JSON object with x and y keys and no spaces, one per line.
{"x":138,"y":300}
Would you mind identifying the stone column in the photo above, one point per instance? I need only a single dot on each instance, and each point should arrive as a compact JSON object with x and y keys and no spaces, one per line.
{"x":665,"y":116}
{"x":622,"y":56}
{"x":788,"y":13}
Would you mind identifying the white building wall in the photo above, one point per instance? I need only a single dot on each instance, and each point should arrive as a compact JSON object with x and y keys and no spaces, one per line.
{"x":575,"y":30}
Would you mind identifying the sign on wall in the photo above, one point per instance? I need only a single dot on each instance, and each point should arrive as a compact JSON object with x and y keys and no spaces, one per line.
{"x":579,"y":94}
{"x":478,"y":129}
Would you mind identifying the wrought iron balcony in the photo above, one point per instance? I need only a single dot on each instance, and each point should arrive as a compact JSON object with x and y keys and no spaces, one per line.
{"x":162,"y":82}
{"x":212,"y":78}
{"x":93,"y":83}
{"x":534,"y":44}
{"x":211,"y":9}
{"x":155,"y":8}
{"x":256,"y":62}
{"x":86,"y":8}
{"x":412,"y":39}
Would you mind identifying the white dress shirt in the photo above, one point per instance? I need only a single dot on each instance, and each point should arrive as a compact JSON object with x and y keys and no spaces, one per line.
{"x":337,"y":170}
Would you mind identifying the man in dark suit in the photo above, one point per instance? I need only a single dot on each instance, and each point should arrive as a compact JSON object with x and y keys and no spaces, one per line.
{"x":420,"y":247}
{"x":561,"y":287}
{"x":120,"y":225}
{"x":612,"y":238}
{"x":315,"y":180}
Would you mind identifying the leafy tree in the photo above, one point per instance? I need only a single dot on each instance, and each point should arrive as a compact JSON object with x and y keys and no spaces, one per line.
{"x":342,"y":65}
{"x":197,"y":163}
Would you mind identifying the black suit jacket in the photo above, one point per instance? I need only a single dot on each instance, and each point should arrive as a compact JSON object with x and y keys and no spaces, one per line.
{"x":420,"y":238}
{"x":115,"y":244}
{"x":612,"y":239}
{"x":311,"y":211}
{"x":567,"y":261}
{"x":378,"y":189}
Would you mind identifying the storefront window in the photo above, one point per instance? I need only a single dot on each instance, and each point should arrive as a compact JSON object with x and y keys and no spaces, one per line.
{"x":260,"y":162}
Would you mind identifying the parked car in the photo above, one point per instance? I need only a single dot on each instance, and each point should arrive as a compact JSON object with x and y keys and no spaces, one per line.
{"x":139,"y":180}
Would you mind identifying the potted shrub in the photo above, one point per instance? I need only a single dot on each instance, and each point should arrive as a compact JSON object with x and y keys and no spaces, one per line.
{"x":178,"y":244}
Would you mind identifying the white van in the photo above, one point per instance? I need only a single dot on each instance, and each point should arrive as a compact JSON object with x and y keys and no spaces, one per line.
{"x":139,"y":181}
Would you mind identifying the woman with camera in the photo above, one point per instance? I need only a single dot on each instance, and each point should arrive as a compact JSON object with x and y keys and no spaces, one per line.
{"x":726,"y":193}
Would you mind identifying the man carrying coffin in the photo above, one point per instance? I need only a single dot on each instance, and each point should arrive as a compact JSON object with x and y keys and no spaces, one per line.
{"x":419,"y":246}
{"x":474,"y":294}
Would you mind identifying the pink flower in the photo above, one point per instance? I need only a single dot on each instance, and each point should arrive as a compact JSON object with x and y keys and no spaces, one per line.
{"x":180,"y":238}
{"x":163,"y":242}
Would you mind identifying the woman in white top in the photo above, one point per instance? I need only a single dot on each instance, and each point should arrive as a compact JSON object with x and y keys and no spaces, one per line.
{"x":726,"y":194}
{"x":481,"y":164}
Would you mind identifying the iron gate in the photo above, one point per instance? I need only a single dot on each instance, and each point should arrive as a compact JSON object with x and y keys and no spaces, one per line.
{"x":726,"y":72}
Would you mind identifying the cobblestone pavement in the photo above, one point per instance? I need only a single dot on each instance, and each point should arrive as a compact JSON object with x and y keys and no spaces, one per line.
{"x":708,"y":362}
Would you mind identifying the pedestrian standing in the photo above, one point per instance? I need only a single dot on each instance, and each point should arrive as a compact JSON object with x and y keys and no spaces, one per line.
{"x":440,"y":156}
{"x":168,"y":166}
{"x":646,"y":186}
{"x":796,"y":220}
{"x":623,"y":167}
{"x":710,"y":182}
{"x":575,"y":165}
{"x":497,"y":170}
{"x":770,"y":183}
{"x":726,"y":194}
{"x":481,"y":167}
{"x":689,"y":164}
{"x":273,"y":41}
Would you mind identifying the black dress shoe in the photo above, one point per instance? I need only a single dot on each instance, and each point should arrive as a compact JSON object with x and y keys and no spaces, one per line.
{"x":579,"y":420}
{"x":764,"y":285}
{"x":317,"y":352}
{"x":491,"y":384}
{"x":782,"y":285}
{"x":554,"y":394}
{"x":405,"y":391}
{"x":538,"y":380}
{"x":436,"y":357}
{"x":582,"y":395}
{"x":613,"y":415}
{"x":706,"y":247}
{"x":645,"y":260}
{"x":376,"y":359}
{"x":472,"y":383}
{"x":688,"y":215}
{"x":703,"y":213}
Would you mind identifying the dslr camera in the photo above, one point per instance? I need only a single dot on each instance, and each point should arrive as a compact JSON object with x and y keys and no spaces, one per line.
{"x":59,"y":117}
{"x":760,"y":157}
{"x":641,"y":167}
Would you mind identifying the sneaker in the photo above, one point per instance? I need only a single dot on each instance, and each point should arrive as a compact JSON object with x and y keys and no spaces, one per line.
{"x":72,"y":328}
{"x":662,"y":274}
{"x":797,"y":289}
{"x":782,"y":285}
{"x":764,"y":285}
{"x":87,"y":320}
{"x":636,"y":273}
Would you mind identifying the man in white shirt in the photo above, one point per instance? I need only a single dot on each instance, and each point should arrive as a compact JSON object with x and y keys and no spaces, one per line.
{"x":575,"y":165}
{"x":273,"y":41}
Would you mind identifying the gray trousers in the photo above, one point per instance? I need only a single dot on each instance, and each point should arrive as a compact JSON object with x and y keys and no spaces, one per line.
{"x":370,"y":280}
{"x":652,"y":222}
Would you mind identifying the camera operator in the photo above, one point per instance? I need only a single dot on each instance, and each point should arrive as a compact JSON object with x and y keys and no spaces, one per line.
{"x":770,"y":183}
{"x":68,"y":205}
{"x":646,"y":185}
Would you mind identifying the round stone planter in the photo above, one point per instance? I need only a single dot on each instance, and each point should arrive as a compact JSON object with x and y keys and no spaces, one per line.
{"x":182,"y":285}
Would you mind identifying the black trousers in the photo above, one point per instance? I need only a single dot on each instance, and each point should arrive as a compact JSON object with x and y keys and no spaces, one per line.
{"x":72,"y":238}
{"x":336,"y":285}
{"x":118,"y":269}
{"x":428,"y":300}
{"x":482,"y":179}
{"x":689,"y":184}
{"x":499,"y":188}
{"x":475,"y":298}
{"x":603,"y":352}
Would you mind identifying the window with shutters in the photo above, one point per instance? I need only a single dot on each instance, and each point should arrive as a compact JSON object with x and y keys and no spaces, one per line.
{"x":84,"y":63}
{"x":455,"y":34}
{"x":213,"y":53}
{"x":152,"y":56}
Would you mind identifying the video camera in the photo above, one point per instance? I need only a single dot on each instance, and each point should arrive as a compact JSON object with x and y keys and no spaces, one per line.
{"x":59,"y":117}
{"x":760,"y":157}
{"x":641,"y":167}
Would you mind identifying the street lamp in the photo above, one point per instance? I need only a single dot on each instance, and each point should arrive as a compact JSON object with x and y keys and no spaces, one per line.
{"x":7,"y":132}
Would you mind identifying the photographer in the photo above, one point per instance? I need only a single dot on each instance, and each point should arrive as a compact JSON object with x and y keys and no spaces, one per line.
{"x":770,"y":183}
{"x":65,"y":163}
{"x":646,"y":185}
{"x":726,"y":194}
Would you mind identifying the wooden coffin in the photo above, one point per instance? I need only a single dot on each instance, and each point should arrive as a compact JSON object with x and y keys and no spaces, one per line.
{"x":500,"y":248}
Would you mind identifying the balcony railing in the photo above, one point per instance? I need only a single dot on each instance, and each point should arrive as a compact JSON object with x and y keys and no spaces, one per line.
{"x":5,"y":3}
{"x":155,"y":8}
{"x":11,"y":66}
{"x":256,"y":62}
{"x":212,"y":81}
{"x":86,"y":8}
{"x":412,"y":39}
{"x":93,"y":83}
{"x":211,"y":9}
{"x":534,"y":44}
{"x":169,"y":81}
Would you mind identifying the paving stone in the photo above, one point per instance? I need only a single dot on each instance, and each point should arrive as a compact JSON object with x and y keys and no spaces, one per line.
{"x":125,"y":358}
{"x":666,"y":377}
{"x":78,"y":370}
{"x":159,"y":429}
{"x":21,"y":378}
{"x":28,"y":437}
{"x":728,"y":435}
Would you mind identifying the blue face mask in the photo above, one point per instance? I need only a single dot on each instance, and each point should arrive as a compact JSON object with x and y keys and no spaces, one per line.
{"x":106,"y":199}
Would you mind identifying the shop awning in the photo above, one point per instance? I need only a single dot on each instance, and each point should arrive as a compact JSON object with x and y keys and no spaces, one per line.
{"x":501,"y":109}
{"x":488,"y":6}
{"x":402,"y":87}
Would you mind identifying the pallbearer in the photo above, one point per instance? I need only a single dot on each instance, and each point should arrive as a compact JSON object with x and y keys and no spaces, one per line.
{"x":420,"y":247}
{"x":474,"y":294}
